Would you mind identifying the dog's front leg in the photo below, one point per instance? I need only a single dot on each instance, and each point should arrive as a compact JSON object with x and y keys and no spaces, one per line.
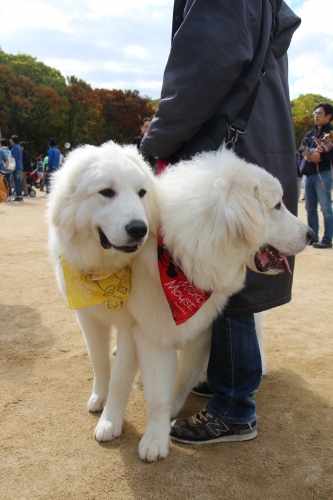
{"x":158,"y":367}
{"x":192,"y":361}
{"x":97,"y":337}
{"x":123,"y":373}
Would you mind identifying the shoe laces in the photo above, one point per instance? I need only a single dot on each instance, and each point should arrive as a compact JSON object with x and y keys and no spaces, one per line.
{"x":200,"y":417}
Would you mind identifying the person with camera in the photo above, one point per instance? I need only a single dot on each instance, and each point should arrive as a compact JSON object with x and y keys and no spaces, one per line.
{"x":317,"y":167}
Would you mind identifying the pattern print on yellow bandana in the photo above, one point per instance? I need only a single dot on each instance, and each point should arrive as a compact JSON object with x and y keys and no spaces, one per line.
{"x":94,"y":288}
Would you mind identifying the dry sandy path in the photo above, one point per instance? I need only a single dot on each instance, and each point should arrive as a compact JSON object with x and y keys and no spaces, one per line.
{"x":47,"y":447}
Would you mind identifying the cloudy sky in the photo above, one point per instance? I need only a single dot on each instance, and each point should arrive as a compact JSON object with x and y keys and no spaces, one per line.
{"x":124,"y":44}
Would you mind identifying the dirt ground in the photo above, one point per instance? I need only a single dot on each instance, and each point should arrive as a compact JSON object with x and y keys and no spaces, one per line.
{"x":47,"y":447}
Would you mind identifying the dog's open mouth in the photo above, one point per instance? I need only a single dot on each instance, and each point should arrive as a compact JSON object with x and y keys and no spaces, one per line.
{"x":269,"y":259}
{"x":106,"y":244}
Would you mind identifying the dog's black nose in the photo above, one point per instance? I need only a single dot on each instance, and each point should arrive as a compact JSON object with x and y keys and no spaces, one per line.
{"x":310,"y":236}
{"x":136,"y":229}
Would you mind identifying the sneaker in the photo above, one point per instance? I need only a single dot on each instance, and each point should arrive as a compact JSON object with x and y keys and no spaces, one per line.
{"x":204,"y":390}
{"x":18,"y":198}
{"x":203,"y":428}
{"x":322,"y":244}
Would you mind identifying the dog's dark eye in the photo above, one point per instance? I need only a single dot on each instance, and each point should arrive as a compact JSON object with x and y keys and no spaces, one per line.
{"x":142,"y":192}
{"x":108,"y":193}
{"x":278,"y":206}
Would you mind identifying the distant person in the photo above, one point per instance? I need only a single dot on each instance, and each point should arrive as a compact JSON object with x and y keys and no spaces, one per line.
{"x":61,"y":161}
{"x":17,"y":154}
{"x":4,"y":153}
{"x":53,"y":164}
{"x":45,"y":166}
{"x":318,"y":182}
{"x":145,"y":124}
{"x":26,"y":167}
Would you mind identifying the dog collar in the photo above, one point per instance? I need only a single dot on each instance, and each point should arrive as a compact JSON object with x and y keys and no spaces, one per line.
{"x":95,"y":288}
{"x":184,"y":298}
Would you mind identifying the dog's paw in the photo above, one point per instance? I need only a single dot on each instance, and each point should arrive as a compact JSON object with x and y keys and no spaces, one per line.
{"x":153,"y":448}
{"x":106,"y":431}
{"x":96,"y":402}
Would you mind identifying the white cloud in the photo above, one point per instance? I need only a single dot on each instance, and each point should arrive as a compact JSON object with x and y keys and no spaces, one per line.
{"x":113,"y":66}
{"x":129,"y":84}
{"x":135,"y":51}
{"x":115,"y":8}
{"x":319,"y":81}
{"x":32,"y":15}
{"x":311,"y":50}
{"x":312,"y":13}
{"x":70,"y":66}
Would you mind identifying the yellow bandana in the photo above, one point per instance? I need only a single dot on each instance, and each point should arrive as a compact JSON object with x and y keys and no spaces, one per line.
{"x":94,"y":288}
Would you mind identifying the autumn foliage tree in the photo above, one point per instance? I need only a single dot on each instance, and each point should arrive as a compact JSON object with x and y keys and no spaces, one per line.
{"x":37,"y":103}
{"x":122,"y":113}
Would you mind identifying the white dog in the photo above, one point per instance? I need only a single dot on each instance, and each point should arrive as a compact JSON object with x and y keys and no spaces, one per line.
{"x":217,"y":215}
{"x":102,"y":205}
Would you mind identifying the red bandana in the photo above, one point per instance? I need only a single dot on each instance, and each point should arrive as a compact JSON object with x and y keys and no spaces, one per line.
{"x":161,"y":165}
{"x":184,"y":298}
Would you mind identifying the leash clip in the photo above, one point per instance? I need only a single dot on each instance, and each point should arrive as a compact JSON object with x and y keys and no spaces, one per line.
{"x":231,"y":144}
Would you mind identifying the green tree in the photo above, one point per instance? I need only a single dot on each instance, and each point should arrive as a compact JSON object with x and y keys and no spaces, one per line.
{"x":38,"y":72}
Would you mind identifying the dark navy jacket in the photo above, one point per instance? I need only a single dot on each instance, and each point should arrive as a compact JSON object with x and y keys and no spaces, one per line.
{"x":217,"y":52}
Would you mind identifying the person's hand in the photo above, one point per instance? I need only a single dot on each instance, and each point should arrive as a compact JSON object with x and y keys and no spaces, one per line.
{"x":312,"y":158}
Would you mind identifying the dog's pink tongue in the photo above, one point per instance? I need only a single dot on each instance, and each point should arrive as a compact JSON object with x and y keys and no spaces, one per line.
{"x":285,"y":263}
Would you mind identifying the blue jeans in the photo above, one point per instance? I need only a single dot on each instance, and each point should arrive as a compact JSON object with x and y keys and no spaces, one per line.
{"x":17,"y":183}
{"x":319,"y":190}
{"x":234,"y":368}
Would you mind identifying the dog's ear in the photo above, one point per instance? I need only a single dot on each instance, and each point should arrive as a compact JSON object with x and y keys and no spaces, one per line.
{"x":244,"y":215}
{"x":58,"y":202}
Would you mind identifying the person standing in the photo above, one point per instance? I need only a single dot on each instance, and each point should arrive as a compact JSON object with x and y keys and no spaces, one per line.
{"x":4,"y":153}
{"x":217,"y":54}
{"x":26,"y":168}
{"x":45,"y":165}
{"x":145,"y":124}
{"x":17,"y":154}
{"x":317,"y":167}
{"x":53,"y":164}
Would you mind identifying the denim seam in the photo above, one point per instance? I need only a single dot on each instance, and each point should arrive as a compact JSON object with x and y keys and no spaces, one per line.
{"x":235,"y":421}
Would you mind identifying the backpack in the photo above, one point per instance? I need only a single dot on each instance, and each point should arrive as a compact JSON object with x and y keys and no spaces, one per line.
{"x":10,"y":163}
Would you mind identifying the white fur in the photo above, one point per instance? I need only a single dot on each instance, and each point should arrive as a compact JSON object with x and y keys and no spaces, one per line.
{"x":215,"y":212}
